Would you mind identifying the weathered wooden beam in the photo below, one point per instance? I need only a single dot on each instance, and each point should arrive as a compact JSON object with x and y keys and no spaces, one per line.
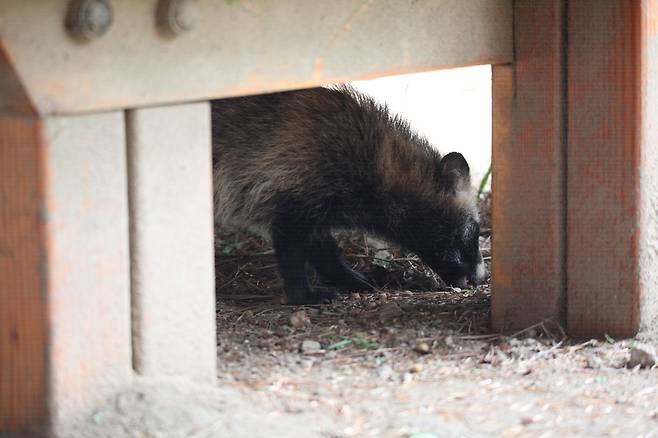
{"x":172,"y":246}
{"x":237,"y":47}
{"x":64,"y":272}
{"x":23,"y":323}
{"x":528,"y":171}
{"x":611,"y":259}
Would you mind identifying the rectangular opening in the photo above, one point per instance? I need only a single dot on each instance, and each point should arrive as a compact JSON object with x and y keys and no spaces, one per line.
{"x":380,"y":336}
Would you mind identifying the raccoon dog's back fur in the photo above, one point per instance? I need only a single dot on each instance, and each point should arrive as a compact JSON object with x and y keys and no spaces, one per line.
{"x":296,"y":165}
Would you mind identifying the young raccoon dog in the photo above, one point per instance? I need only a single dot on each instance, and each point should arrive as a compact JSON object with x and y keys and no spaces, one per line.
{"x":296,"y":165}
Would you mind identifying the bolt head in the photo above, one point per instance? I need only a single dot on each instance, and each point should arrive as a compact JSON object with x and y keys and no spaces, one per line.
{"x":176,"y":17}
{"x":89,"y":19}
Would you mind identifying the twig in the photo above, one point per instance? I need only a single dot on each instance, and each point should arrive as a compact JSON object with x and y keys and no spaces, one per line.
{"x":235,"y":277}
{"x":527,"y":329}
{"x":544,"y":353}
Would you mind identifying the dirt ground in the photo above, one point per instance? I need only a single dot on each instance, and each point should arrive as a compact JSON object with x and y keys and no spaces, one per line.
{"x":413,"y":359}
{"x":412,"y":366}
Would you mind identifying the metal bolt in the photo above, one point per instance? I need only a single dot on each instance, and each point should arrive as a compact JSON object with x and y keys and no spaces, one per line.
{"x":177,"y":16}
{"x":89,"y":19}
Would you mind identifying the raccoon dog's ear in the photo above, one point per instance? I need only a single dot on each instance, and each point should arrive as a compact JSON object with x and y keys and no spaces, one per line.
{"x":454,"y":173}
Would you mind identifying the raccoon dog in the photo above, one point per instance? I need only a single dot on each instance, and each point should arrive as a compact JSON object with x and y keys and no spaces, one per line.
{"x":296,"y":165}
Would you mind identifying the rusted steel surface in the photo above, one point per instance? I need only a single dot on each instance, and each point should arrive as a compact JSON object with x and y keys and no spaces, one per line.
{"x":604,"y":153}
{"x":237,"y":47}
{"x":64,"y":268}
{"x":528,"y":168}
{"x":23,"y":322}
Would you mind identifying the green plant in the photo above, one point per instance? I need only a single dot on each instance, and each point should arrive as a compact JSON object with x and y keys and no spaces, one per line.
{"x":483,"y":182}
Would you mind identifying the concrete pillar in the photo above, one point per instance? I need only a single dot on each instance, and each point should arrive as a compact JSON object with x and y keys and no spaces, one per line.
{"x":171,"y":222}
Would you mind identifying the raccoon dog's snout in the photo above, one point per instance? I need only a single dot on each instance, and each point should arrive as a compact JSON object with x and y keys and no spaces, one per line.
{"x":464,"y":277}
{"x":480,"y":274}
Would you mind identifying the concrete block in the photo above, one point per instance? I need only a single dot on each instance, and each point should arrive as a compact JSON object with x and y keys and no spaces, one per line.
{"x":88,"y":261}
{"x":172,"y":249}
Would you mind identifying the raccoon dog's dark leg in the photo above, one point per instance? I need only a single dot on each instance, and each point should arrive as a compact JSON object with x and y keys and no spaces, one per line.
{"x":324,"y":255}
{"x":290,"y":245}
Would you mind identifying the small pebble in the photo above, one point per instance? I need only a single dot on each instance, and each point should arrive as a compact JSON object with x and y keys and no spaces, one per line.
{"x":299,"y":319}
{"x":526,"y":421}
{"x":422,"y":348}
{"x":642,"y":355}
{"x":416,"y":368}
{"x":309,"y":346}
{"x":523,"y":370}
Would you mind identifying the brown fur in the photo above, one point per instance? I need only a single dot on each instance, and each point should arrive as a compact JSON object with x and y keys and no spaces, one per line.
{"x":258,"y":154}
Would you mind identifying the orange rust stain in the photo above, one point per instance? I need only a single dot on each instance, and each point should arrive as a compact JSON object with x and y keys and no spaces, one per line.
{"x":318,"y":69}
{"x":347,"y":26}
